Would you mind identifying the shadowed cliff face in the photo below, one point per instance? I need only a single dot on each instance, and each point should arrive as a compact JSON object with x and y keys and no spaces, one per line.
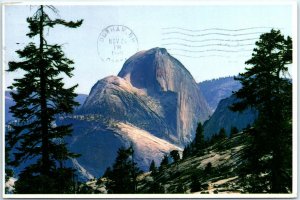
{"x":223,"y":117}
{"x":166,"y":80}
{"x":217,"y":89}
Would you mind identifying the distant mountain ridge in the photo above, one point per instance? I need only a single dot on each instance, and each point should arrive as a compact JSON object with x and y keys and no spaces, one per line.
{"x":80,"y":98}
{"x":215,"y":90}
{"x":223,"y":117}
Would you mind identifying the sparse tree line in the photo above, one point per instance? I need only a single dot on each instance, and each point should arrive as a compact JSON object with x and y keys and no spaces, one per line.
{"x":40,"y":96}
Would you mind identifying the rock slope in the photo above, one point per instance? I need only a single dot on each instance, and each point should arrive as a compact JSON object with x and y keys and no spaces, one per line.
{"x":153,"y":104}
{"x":225,"y":159}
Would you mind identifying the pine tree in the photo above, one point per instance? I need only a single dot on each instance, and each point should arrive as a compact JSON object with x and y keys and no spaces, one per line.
{"x":124,"y":173}
{"x":199,"y":142}
{"x":222,"y":134}
{"x":195,"y":183}
{"x":40,"y":96}
{"x":107,"y":172}
{"x":164,"y":163}
{"x":153,"y":168}
{"x":187,"y":151}
{"x":175,"y":155}
{"x":8,"y":171}
{"x":266,"y":87}
{"x":208,"y":168}
{"x":233,"y":131}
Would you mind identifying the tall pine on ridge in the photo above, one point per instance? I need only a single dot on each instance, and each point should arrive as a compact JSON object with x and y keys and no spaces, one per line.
{"x":40,"y":96}
{"x":267,"y":88}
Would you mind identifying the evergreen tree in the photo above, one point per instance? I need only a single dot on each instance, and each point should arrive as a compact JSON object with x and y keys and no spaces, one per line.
{"x":175,"y":155}
{"x":195,"y":185}
{"x":156,"y":188}
{"x":124,"y":173}
{"x":164,"y":162}
{"x":187,"y":151}
{"x":40,"y":96}
{"x":8,"y":171}
{"x":153,"y":168}
{"x":266,"y":87}
{"x":222,"y":134}
{"x":217,"y":137}
{"x":233,"y":131}
{"x":180,"y":189}
{"x":199,"y":142}
{"x":208,"y":168}
{"x":107,"y":172}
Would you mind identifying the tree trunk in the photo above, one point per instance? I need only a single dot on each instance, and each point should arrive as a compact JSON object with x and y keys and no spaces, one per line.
{"x":44,"y":118}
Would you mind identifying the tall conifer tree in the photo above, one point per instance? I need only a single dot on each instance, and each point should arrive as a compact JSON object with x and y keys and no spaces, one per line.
{"x":124,"y":173}
{"x":41,"y":96}
{"x":267,"y":88}
{"x":199,"y":141}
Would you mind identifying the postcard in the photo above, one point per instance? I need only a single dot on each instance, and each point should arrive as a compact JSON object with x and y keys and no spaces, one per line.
{"x":189,"y":99}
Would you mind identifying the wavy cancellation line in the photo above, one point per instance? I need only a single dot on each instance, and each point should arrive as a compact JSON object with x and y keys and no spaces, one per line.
{"x":207,"y":45}
{"x":206,"y":34}
{"x":205,"y":56}
{"x":209,"y":40}
{"x":210,"y":50}
{"x":216,"y":29}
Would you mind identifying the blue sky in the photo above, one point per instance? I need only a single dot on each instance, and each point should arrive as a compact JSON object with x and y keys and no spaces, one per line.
{"x":211,"y":41}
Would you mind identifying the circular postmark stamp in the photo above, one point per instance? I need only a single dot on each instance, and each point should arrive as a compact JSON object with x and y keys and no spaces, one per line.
{"x":116,"y":43}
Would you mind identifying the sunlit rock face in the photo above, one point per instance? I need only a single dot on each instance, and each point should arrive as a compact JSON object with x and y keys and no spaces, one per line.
{"x":166,"y":80}
{"x":154,"y":104}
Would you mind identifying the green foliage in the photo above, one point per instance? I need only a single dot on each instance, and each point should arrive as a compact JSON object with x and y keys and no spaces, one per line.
{"x":222,"y":133}
{"x":40,"y":96}
{"x":197,"y":145}
{"x":8,"y":171}
{"x":199,"y":142}
{"x":85,"y":189}
{"x":199,"y":138}
{"x":175,"y":155}
{"x":180,"y":189}
{"x":153,"y":168}
{"x":208,"y":168}
{"x":164,"y":163}
{"x":187,"y":151}
{"x":122,"y":178}
{"x":61,"y":181}
{"x":218,"y":137}
{"x":195,"y":184}
{"x":156,"y":188}
{"x":267,"y":88}
{"x":233,"y":131}
{"x":107,"y":172}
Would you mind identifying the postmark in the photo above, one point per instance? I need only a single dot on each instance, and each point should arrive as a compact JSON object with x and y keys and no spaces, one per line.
{"x":116,"y":43}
